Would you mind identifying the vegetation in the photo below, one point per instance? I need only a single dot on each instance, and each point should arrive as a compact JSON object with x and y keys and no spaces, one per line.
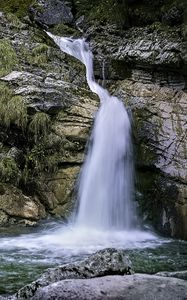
{"x":39,"y":126}
{"x":14,"y":21}
{"x":9,"y":171}
{"x":13,"y":110}
{"x":108,"y":11}
{"x":16,"y":112}
{"x":8,"y":57}
{"x":39,"y":160}
{"x":40,"y":54}
{"x":17,"y":7}
{"x":63,"y":30}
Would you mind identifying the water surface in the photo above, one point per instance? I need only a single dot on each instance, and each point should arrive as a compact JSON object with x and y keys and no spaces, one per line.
{"x":26,"y":253}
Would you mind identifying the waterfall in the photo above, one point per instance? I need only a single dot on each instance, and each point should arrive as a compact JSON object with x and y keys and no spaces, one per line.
{"x":105,"y":192}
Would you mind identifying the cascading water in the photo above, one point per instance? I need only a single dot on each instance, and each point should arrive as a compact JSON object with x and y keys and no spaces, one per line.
{"x":106,"y":181}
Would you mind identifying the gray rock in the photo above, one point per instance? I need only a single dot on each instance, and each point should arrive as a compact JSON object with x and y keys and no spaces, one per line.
{"x":159,"y":115}
{"x":52,"y":12}
{"x":105,"y":262}
{"x":134,"y":287}
{"x":145,"y":47}
{"x":178,"y":274}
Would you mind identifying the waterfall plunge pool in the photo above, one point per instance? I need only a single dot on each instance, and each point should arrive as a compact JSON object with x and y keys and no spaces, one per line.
{"x":26,"y":253}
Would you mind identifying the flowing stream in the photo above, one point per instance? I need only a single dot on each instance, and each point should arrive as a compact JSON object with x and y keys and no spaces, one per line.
{"x":106,"y":214}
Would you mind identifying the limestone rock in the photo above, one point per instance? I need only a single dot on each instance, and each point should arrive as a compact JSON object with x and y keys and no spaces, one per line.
{"x":17,"y":205}
{"x":62,"y":187}
{"x":133,"y":287}
{"x":104,"y":262}
{"x":159,"y":115}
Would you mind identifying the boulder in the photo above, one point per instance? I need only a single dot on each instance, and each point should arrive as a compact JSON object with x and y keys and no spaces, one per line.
{"x":52,"y":12}
{"x":178,"y":274}
{"x":104,"y":262}
{"x":133,"y":287}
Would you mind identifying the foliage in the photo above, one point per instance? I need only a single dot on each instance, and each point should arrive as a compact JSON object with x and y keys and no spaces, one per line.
{"x":62,"y":29}
{"x":39,"y":161}
{"x":8,"y":57}
{"x":14,"y":21}
{"x":40,"y":126}
{"x":9,"y":171}
{"x":108,"y":11}
{"x":17,"y":7}
{"x":16,"y":112}
{"x":40,"y":54}
{"x":13,"y":110}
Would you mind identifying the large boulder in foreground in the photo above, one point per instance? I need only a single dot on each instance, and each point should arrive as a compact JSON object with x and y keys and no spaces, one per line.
{"x":134,"y":287}
{"x":102,"y":263}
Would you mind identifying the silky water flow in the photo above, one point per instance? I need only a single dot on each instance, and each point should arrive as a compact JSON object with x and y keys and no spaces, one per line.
{"x":105,"y":192}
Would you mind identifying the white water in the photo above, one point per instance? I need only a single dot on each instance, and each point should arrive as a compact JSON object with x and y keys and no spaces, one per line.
{"x":106,"y":182}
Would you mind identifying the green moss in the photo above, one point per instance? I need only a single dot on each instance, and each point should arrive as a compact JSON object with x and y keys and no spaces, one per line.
{"x":40,"y":55}
{"x":13,"y":110}
{"x":17,"y":7}
{"x":116,"y":13}
{"x":8,"y":57}
{"x":62,"y":29}
{"x":39,"y":126}
{"x":9,"y":171}
{"x":17,"y":112}
{"x":14,"y":21}
{"x":40,"y":161}
{"x":106,"y":11}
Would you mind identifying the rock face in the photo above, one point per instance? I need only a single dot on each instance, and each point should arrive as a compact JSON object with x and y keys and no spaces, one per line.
{"x":52,"y":12}
{"x":159,"y":115}
{"x":132,"y":287}
{"x":101,"y":263}
{"x":16,"y":207}
{"x":43,"y":132}
{"x":56,"y":126}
